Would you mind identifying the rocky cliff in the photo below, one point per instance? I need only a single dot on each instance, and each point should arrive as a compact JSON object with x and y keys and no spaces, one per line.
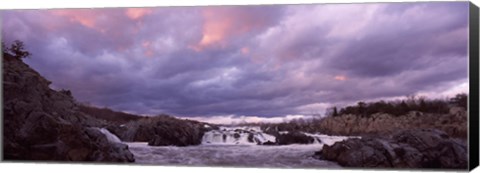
{"x":44,"y":124}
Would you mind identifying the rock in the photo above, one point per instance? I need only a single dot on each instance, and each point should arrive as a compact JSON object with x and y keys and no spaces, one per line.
{"x":224,"y":137}
{"x":144,"y":133}
{"x":421,"y":148}
{"x":269,"y":143}
{"x":159,"y":141}
{"x":250,"y":137}
{"x":236,"y":135}
{"x":436,"y":146}
{"x":44,"y":124}
{"x":164,"y":131}
{"x":293,"y":138}
{"x":358,"y":153}
{"x":92,"y":145}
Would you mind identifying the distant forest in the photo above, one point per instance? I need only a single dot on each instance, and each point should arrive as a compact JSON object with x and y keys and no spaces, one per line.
{"x":402,"y":107}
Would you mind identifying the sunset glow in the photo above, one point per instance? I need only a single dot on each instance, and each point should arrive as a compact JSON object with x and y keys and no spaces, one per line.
{"x":84,"y":17}
{"x":136,"y":13}
{"x":340,"y":78}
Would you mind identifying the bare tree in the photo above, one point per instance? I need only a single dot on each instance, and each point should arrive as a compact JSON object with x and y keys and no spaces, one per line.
{"x":17,"y":49}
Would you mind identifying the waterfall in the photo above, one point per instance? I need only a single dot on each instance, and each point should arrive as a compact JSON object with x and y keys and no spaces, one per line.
{"x":237,"y":136}
{"x":326,"y":139}
{"x":110,"y":137}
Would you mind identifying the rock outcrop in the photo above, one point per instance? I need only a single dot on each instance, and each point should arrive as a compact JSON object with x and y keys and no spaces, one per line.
{"x":44,"y":124}
{"x":425,"y":148}
{"x":162,"y":131}
{"x":454,"y":123}
{"x":293,"y":138}
{"x":182,"y":133}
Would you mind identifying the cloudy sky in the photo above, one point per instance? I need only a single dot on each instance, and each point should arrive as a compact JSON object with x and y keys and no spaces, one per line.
{"x":262,"y":61}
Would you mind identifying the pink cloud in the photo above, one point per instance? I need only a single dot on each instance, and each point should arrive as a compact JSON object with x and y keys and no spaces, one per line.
{"x":222,"y":23}
{"x":146,"y":44}
{"x":136,"y":13}
{"x":216,"y":28}
{"x":245,"y":50}
{"x":106,"y":28}
{"x":148,"y":49}
{"x":85,"y":17}
{"x":340,"y":78}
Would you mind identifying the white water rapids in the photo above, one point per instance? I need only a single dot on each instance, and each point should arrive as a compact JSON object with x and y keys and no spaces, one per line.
{"x":287,"y":156}
{"x":230,"y":146}
{"x":110,"y":137}
{"x":236,"y":136}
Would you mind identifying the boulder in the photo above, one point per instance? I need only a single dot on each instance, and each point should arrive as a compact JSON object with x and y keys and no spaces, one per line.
{"x":250,"y":137}
{"x":236,"y":135}
{"x":420,"y":148}
{"x":358,"y":153}
{"x":164,"y":131}
{"x":436,"y":146}
{"x":159,"y":141}
{"x":293,"y":138}
{"x":269,"y":143}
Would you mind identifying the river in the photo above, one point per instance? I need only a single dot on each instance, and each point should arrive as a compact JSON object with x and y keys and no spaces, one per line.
{"x":234,"y":147}
{"x":286,"y":156}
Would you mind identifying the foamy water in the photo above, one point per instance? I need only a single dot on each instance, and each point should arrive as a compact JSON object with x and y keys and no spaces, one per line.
{"x":236,"y":136}
{"x":287,"y":156}
{"x":110,"y":137}
{"x":223,"y":148}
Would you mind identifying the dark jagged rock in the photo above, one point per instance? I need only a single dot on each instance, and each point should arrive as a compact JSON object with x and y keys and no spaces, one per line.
{"x":425,"y":148}
{"x":250,"y":137}
{"x":160,"y":141}
{"x":162,"y":130}
{"x":177,"y":135}
{"x":236,"y":135}
{"x":357,"y":153}
{"x":44,"y":124}
{"x":269,"y":143}
{"x":437,"y":147}
{"x":293,"y":138}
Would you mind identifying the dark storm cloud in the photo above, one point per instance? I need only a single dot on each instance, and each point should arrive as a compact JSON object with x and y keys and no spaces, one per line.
{"x":246,"y":60}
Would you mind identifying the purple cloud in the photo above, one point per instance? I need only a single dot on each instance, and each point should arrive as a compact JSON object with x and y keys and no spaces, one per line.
{"x":246,"y":60}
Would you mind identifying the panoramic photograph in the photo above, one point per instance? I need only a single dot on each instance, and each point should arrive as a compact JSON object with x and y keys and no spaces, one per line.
{"x":317,"y":86}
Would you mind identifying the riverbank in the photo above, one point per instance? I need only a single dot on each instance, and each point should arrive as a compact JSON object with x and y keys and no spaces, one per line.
{"x":454,"y":124}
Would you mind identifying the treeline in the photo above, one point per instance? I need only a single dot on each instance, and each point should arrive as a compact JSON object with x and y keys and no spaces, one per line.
{"x":402,"y":107}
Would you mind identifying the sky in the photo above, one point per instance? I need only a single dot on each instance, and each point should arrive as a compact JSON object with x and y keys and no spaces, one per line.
{"x":247,"y":61}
